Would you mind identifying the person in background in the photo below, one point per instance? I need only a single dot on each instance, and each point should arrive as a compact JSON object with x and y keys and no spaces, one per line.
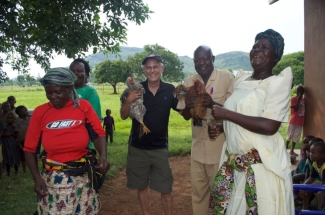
{"x":21,"y":125}
{"x":81,"y":70}
{"x":109,"y":125}
{"x":254,"y":156}
{"x":12,"y":102}
{"x":10,"y":145}
{"x":299,"y":173}
{"x":70,"y":177}
{"x":317,"y":157}
{"x":147,"y":160}
{"x":205,"y":153}
{"x":5,"y":111}
{"x":301,"y":178}
{"x":308,"y":165}
{"x":297,"y":119}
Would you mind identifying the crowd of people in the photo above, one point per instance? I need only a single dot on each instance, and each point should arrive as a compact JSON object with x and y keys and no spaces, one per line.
{"x":239,"y":165}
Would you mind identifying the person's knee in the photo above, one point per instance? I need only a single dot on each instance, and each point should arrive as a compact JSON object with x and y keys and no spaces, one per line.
{"x":321,"y":194}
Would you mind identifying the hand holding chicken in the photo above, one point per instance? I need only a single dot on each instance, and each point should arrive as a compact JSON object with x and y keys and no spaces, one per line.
{"x":134,"y":93}
{"x":196,"y":99}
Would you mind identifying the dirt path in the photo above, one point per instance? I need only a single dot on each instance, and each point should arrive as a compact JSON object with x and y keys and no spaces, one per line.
{"x":117,"y":199}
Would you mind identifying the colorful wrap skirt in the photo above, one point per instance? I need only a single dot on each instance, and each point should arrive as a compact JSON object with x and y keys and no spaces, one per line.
{"x":72,"y":186}
{"x":71,"y":195}
{"x":223,"y":183}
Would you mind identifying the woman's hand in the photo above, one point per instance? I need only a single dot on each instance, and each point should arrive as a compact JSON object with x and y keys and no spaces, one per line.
{"x":218,"y":112}
{"x":103,"y":165}
{"x":40,"y":187}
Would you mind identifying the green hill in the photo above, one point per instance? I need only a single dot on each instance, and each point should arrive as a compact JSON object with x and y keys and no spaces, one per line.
{"x":231,"y":60}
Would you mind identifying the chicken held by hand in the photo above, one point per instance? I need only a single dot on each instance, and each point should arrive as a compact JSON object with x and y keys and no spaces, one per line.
{"x":137,"y":108}
{"x":194,"y":98}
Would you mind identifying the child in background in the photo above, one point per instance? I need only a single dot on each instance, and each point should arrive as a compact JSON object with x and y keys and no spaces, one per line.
{"x":317,"y":157}
{"x":108,"y":125}
{"x":299,"y":173}
{"x":5,"y":110}
{"x":10,"y":145}
{"x":297,"y":119}
{"x":308,"y":164}
{"x":21,"y":125}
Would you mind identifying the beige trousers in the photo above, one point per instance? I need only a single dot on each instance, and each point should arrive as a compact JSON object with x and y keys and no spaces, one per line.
{"x":202,"y":176}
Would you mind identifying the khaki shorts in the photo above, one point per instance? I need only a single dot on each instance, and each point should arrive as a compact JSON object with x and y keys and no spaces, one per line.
{"x":149,"y":168}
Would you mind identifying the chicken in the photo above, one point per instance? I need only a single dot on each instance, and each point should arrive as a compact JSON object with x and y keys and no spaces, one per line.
{"x":137,"y":109}
{"x":196,"y":92}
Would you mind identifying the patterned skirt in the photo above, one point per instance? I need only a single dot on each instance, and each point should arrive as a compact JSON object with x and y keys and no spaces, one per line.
{"x":68,"y":195}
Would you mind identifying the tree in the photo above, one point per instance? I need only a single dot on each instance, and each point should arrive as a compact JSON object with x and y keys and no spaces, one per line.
{"x":35,"y":29}
{"x":21,"y":80}
{"x":112,"y":72}
{"x":173,"y":66}
{"x":30,"y":80}
{"x":296,"y":62}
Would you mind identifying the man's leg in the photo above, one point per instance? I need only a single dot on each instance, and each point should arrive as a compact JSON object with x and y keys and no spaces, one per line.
{"x":167,"y":202}
{"x":143,"y":195}
{"x":201,"y":180}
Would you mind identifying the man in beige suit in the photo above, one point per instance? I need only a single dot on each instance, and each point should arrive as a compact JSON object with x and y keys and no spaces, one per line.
{"x":205,"y":154}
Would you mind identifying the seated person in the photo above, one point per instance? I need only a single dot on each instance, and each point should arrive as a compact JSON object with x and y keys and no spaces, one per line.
{"x":298,"y":175}
{"x":317,"y":157}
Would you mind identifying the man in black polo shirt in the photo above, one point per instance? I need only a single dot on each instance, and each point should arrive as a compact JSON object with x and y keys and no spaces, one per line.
{"x":147,"y":161}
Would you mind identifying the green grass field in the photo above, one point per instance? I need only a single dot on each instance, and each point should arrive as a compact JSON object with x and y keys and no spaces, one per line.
{"x":16,"y":192}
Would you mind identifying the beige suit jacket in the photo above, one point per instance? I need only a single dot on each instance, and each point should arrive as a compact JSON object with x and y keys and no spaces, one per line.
{"x":220,"y":87}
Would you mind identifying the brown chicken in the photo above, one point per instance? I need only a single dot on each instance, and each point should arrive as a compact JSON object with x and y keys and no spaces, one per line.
{"x":196,"y":92}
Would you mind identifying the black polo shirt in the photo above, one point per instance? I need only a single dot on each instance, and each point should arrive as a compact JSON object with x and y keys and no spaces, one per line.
{"x":156,"y":118}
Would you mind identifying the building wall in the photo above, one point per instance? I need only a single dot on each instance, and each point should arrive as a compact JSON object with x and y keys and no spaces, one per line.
{"x":315,"y":68}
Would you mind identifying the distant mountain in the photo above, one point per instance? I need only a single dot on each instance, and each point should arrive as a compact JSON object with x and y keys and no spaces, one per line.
{"x":231,"y":60}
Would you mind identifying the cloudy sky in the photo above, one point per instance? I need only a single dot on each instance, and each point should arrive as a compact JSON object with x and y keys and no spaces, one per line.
{"x":224,"y":25}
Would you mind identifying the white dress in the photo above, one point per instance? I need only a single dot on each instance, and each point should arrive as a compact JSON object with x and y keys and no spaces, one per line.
{"x":268,"y":98}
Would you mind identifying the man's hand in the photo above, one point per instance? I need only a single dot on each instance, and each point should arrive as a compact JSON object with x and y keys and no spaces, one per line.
{"x":190,"y":102}
{"x":215,"y":130}
{"x":133,"y":96}
{"x":207,"y":101}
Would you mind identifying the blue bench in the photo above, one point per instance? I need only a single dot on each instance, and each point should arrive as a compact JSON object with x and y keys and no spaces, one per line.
{"x":308,"y":187}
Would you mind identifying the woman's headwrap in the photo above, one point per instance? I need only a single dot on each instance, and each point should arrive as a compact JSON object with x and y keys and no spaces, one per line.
{"x":62,"y":77}
{"x":275,"y":39}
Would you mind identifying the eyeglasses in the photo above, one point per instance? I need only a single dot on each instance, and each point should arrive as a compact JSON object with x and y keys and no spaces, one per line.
{"x":148,"y":68}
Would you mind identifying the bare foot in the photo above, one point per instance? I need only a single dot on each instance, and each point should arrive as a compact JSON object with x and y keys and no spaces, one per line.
{"x":293,"y":153}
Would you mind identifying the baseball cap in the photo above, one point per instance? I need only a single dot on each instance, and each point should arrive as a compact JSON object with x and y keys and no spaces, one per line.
{"x":152,"y":56}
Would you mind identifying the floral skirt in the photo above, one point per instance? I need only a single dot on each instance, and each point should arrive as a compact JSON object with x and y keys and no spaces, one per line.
{"x":68,"y":195}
